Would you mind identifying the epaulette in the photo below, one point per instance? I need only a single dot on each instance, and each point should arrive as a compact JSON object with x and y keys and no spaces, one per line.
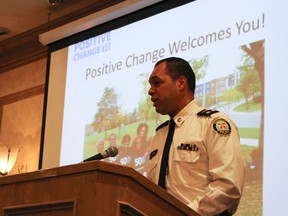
{"x":207,"y":112}
{"x":162,"y":125}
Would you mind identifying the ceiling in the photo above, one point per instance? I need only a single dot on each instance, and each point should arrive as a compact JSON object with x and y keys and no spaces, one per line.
{"x":19,"y":16}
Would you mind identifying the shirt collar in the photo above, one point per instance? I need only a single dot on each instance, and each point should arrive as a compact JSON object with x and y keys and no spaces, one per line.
{"x":190,"y":109}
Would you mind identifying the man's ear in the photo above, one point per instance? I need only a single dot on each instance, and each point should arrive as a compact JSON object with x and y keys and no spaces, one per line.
{"x":182,"y":83}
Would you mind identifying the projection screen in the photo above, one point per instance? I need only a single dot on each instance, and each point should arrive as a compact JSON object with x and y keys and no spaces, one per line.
{"x":97,"y":86}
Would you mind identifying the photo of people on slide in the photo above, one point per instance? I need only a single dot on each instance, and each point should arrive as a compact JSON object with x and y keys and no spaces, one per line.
{"x":238,"y":92}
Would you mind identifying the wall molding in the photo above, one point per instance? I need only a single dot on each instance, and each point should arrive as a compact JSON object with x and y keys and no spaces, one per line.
{"x":15,"y":97}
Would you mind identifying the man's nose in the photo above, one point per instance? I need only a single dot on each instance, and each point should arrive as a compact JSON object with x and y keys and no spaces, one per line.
{"x":150,"y":91}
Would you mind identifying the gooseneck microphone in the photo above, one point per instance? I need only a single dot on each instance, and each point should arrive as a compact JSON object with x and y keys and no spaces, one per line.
{"x":112,"y":151}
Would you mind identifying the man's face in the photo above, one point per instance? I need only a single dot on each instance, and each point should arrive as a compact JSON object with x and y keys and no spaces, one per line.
{"x":163,"y":91}
{"x":126,"y":142}
{"x":100,"y":147}
{"x":112,"y":140}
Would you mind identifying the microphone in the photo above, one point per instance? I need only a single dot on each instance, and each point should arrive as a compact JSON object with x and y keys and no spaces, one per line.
{"x":112,"y":151}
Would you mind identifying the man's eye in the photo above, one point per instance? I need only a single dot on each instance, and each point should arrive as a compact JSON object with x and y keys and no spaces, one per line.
{"x":156,"y":83}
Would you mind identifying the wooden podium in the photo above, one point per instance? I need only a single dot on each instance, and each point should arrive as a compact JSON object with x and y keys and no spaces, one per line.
{"x":87,"y":189}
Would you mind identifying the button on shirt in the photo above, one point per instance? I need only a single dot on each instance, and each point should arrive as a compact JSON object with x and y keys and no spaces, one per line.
{"x":206,"y":170}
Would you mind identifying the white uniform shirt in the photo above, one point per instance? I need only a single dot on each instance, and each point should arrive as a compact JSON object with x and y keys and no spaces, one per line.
{"x":209,"y":175}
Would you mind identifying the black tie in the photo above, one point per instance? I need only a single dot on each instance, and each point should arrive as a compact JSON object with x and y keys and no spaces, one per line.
{"x":165,"y":156}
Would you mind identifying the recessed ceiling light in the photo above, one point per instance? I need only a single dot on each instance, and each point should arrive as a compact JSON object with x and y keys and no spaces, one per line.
{"x":4,"y":31}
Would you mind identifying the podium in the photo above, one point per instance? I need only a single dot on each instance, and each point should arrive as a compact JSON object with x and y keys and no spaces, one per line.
{"x":94,"y":188}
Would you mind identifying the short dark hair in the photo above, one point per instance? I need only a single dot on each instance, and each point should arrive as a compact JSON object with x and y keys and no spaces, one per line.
{"x":179,"y":67}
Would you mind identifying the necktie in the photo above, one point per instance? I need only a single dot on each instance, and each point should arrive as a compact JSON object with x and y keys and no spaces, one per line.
{"x":165,"y":156}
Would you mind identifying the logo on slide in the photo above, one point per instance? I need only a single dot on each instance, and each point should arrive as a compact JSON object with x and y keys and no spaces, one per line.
{"x":92,"y":46}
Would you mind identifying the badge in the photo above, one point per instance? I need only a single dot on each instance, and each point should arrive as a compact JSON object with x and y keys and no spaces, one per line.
{"x":222,"y":127}
{"x":188,"y":147}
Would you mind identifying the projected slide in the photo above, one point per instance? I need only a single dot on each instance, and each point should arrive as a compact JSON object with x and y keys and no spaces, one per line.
{"x":106,"y":99}
{"x":106,"y":84}
{"x":232,"y":49}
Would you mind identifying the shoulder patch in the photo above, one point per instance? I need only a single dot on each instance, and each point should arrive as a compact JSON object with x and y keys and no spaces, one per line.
{"x":222,"y":127}
{"x":207,"y":112}
{"x":162,"y":125}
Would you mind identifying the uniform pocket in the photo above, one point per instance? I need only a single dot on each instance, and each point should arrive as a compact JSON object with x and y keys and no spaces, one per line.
{"x":186,"y":156}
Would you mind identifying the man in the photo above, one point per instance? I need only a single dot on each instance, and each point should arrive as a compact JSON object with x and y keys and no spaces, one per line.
{"x":205,"y":168}
{"x":100,"y":145}
{"x":113,"y":142}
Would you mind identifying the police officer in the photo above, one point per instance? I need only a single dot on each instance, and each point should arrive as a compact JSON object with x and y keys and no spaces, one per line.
{"x":205,"y":168}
